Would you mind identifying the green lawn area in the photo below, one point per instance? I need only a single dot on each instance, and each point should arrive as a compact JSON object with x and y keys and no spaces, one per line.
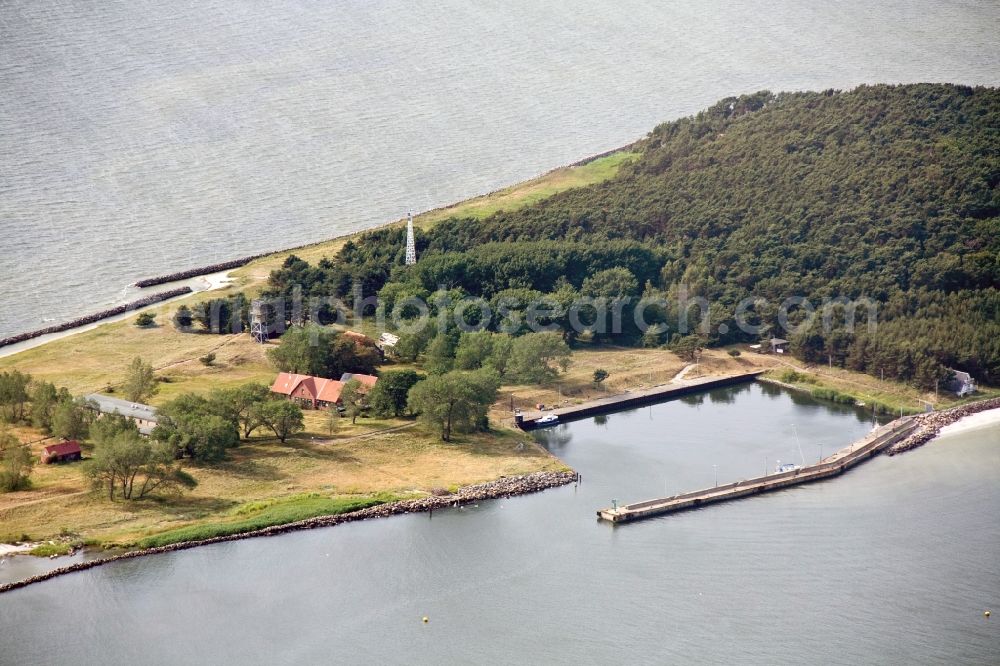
{"x":266,"y":513}
{"x":532,"y":191}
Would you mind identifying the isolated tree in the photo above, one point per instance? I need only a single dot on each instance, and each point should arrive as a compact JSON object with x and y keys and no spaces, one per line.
{"x":303,"y":350}
{"x":140,"y":381}
{"x":208,"y":359}
{"x":240,"y":404}
{"x":687,"y":347}
{"x":599,"y":376}
{"x":193,"y":427}
{"x":145,"y":319}
{"x":473,"y":350}
{"x":481,"y":349}
{"x":388,"y":396}
{"x":109,"y":426}
{"x":457,"y":400}
{"x":499,"y":359}
{"x":413,"y":343}
{"x":131,"y":467}
{"x":70,"y":419}
{"x":15,"y":462}
{"x":44,"y":397}
{"x":537,"y":357}
{"x":183,"y":319}
{"x":349,"y":355}
{"x":354,"y":398}
{"x":222,"y":315}
{"x":283,"y":417}
{"x":321,"y":352}
{"x":653,"y":337}
{"x":440,"y":356}
{"x":13,"y":395}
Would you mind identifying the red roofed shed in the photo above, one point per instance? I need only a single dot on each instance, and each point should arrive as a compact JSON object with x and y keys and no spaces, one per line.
{"x":62,"y":451}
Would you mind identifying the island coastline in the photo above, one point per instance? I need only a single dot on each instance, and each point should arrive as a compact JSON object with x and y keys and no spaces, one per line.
{"x":502,"y":487}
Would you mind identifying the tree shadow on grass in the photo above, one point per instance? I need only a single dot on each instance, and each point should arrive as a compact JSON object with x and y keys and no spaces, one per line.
{"x":182,"y":506}
{"x":308,"y":449}
{"x":499,"y":444}
{"x":246,"y":468}
{"x":330,"y":454}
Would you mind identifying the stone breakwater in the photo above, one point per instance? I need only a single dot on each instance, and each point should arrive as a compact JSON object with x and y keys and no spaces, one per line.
{"x":931,"y":424}
{"x":593,"y":158}
{"x":97,"y":316}
{"x":195,"y":272}
{"x":508,"y":486}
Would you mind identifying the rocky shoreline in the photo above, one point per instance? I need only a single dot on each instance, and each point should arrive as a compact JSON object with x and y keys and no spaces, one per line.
{"x":931,"y":424}
{"x":97,"y":316}
{"x":196,"y":272}
{"x":507,"y":486}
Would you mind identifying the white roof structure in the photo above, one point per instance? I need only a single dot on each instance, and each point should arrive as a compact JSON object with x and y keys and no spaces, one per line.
{"x":134,"y":410}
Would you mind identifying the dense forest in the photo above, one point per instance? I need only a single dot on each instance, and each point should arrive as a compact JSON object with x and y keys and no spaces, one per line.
{"x":887,"y":193}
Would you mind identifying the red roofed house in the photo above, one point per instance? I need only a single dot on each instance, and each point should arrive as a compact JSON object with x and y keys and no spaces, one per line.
{"x":315,"y":391}
{"x":62,"y":451}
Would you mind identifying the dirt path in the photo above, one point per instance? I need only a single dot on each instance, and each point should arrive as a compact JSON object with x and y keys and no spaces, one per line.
{"x":50,"y":498}
{"x":679,"y":377}
{"x":366,"y":435}
{"x":229,"y":340}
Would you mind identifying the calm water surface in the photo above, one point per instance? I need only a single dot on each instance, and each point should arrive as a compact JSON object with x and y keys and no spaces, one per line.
{"x":138,"y":137}
{"x":892,"y":563}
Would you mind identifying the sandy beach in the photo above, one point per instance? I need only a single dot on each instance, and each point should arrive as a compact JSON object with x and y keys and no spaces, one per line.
{"x":14,"y":549}
{"x":981,"y":421}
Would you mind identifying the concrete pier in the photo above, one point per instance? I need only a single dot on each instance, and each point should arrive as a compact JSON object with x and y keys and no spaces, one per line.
{"x":871,"y":445}
{"x":648,"y":396}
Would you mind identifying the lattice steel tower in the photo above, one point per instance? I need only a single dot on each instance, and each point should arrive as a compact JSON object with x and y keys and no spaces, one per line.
{"x":258,"y":325}
{"x":411,"y":245}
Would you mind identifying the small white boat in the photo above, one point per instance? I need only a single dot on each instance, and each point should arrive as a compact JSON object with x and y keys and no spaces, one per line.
{"x":547,"y":419}
{"x":787,"y":467}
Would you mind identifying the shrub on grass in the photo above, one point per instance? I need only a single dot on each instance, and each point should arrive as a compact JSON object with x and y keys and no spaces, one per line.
{"x":50,"y":549}
{"x":790,"y":376}
{"x":833,"y":395}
